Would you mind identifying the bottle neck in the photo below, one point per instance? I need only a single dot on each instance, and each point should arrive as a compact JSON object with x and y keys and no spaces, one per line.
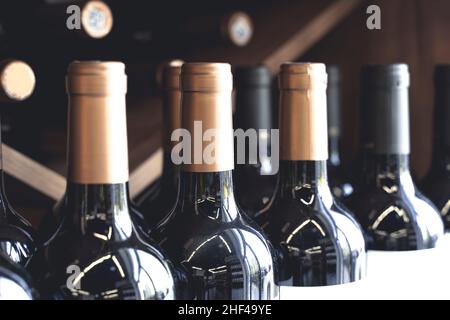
{"x":170,"y":172}
{"x":3,"y":199}
{"x":253,"y":108}
{"x":333,"y":151}
{"x":211,"y":193}
{"x":392,"y":169}
{"x":441,"y":158}
{"x":99,"y":210}
{"x":441,"y":147}
{"x":295,"y":174}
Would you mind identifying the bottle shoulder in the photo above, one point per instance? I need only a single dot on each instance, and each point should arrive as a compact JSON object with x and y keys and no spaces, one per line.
{"x":397,"y":217}
{"x":74,"y":265}
{"x":130,"y":272}
{"x":18,"y":236}
{"x":199,"y":234}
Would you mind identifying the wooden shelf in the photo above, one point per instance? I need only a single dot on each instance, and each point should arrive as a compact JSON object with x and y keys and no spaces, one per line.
{"x":283,"y":32}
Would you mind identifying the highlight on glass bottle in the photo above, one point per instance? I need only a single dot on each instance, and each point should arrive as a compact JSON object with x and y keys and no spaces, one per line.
{"x":340,"y":182}
{"x":160,"y":197}
{"x":220,"y":254}
{"x":97,"y":251}
{"x":18,"y":240}
{"x":319,"y":241}
{"x":393,"y":212}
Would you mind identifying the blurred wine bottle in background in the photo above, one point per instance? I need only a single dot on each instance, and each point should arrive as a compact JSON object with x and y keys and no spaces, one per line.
{"x":15,"y":282}
{"x":221,"y":255}
{"x":319,"y":241}
{"x":255,"y":180}
{"x":159,"y":199}
{"x":97,"y":236}
{"x":436,"y":184}
{"x":198,"y":29}
{"x":59,"y":19}
{"x":17,"y":238}
{"x":392,"y":211}
{"x":340,"y":184}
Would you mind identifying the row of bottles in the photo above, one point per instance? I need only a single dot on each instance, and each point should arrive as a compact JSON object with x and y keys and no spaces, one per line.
{"x":203,"y":231}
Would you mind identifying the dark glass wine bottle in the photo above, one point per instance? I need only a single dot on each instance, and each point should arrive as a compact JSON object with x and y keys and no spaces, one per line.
{"x":319,"y":242}
{"x":160,"y":197}
{"x":97,"y":251}
{"x":15,"y":282}
{"x":222,"y":255}
{"x":255,"y":180}
{"x":391,"y":210}
{"x":436,"y":184}
{"x":17,"y":237}
{"x":340,"y":184}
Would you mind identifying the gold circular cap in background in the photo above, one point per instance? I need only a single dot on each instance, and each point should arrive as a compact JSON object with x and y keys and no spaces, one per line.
{"x":302,"y":75}
{"x":97,"y":19}
{"x":206,"y":76}
{"x":96,"y":77}
{"x":238,"y":28}
{"x":17,"y":80}
{"x":170,"y":75}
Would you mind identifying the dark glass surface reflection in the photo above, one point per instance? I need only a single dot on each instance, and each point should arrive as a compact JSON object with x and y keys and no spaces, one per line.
{"x":222,"y":254}
{"x":97,"y":252}
{"x":17,"y":237}
{"x":395,"y":215}
{"x":320,"y":242}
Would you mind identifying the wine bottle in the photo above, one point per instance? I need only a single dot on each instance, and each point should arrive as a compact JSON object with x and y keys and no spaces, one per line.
{"x":160,"y":197}
{"x":255,"y":180}
{"x":341,"y":186}
{"x":97,"y":251}
{"x":183,"y":30}
{"x":207,"y":236}
{"x":17,"y":237}
{"x":391,"y":210}
{"x":436,"y":184}
{"x":318,"y":240}
{"x":15,"y":282}
{"x":234,"y":28}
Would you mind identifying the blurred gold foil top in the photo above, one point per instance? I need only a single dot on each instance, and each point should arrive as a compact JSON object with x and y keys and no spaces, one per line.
{"x":17,"y":80}
{"x":303,"y":112}
{"x":97,"y":19}
{"x":97,"y":138}
{"x":206,"y":99}
{"x":172,"y":100}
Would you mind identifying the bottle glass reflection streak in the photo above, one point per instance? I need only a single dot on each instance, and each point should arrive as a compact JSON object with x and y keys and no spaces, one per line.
{"x":395,"y":215}
{"x":161,"y":196}
{"x":221,"y":254}
{"x":436,"y":184}
{"x":340,"y":183}
{"x":18,"y":239}
{"x":97,"y":252}
{"x":318,"y":240}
